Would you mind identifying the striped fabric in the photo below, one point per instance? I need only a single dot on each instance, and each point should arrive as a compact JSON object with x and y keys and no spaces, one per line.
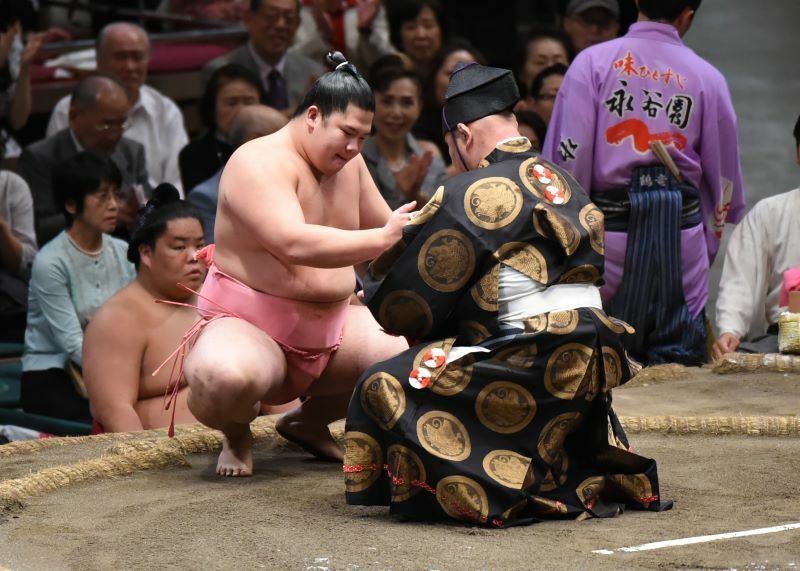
{"x":651,"y":294}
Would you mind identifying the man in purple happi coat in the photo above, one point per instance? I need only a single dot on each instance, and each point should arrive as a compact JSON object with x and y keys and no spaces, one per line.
{"x":618,"y":101}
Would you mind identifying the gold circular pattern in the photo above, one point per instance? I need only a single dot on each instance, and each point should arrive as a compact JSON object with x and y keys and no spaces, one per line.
{"x":562,"y":322}
{"x":612,"y":365}
{"x":567,"y":369}
{"x":585,"y":274}
{"x":473,"y":333}
{"x":484,"y":292}
{"x":546,"y":506}
{"x":406,"y":468}
{"x":452,"y":380}
{"x":383,"y":399}
{"x":536,"y":324}
{"x":363,"y":451}
{"x":613,"y":324}
{"x":493,"y":202}
{"x":455,"y":379}
{"x":594,"y":378}
{"x":518,"y":145}
{"x":526,"y":259}
{"x":522,"y":356}
{"x":561,"y":228}
{"x":463,"y":499}
{"x":516,"y":509}
{"x":444,"y":436}
{"x":508,"y":468}
{"x":590,"y":489}
{"x":556,"y":475}
{"x":591,"y":218}
{"x":430,"y":208}
{"x":405,"y":312}
{"x":505,"y":407}
{"x":446,"y":261}
{"x":544,"y":181}
{"x":551,"y":439}
{"x":635,"y":485}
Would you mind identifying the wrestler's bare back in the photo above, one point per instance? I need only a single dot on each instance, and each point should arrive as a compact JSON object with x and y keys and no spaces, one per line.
{"x":269,"y":176}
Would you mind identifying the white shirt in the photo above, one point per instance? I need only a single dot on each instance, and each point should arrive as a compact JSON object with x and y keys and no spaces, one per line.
{"x":763,"y":246}
{"x":156,"y":123}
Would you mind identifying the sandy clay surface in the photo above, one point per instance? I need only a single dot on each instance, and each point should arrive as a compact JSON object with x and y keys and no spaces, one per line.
{"x":292,"y":514}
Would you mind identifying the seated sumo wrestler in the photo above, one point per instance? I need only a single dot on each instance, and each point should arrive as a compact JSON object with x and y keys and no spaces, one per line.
{"x":131,"y":335}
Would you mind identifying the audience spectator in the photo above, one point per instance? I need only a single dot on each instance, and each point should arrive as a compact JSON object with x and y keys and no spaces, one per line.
{"x":229,"y":89}
{"x":98,"y":115}
{"x":130,"y":335}
{"x":403,"y":168}
{"x":589,"y":22}
{"x":249,"y":123}
{"x":72,"y":276}
{"x":15,"y":78}
{"x":285,"y":75}
{"x":531,"y":126}
{"x":123,"y":51}
{"x":429,"y":125}
{"x":357,"y":28}
{"x":763,"y":246}
{"x":543,"y":49}
{"x":17,"y":249}
{"x":544,"y":89}
{"x":416,"y":28}
{"x":648,"y":128}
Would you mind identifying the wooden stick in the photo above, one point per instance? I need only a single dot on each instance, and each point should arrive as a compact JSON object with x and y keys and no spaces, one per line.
{"x":661,"y":152}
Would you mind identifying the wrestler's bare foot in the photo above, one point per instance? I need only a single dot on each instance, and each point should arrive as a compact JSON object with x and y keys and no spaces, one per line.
{"x":313,"y":437}
{"x":236,"y":458}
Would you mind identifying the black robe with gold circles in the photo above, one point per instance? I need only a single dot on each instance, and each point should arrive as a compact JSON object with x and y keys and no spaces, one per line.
{"x":524,"y":431}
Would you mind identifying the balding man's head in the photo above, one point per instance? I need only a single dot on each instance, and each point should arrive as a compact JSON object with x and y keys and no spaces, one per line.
{"x":255,"y":121}
{"x":98,"y":113}
{"x":123,"y":50}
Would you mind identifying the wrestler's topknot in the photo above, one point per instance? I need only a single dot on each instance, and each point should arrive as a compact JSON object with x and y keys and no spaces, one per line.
{"x":338,"y":62}
{"x":337,"y":89}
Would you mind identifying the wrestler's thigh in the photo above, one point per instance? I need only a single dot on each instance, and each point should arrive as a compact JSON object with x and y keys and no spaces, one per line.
{"x":233,"y":352}
{"x":363,"y":343}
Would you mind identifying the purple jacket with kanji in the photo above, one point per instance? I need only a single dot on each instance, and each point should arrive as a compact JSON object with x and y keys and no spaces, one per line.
{"x":619,"y":96}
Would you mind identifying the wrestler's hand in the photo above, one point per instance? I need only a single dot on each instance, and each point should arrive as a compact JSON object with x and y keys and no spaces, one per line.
{"x":726,"y":343}
{"x":393,"y":229}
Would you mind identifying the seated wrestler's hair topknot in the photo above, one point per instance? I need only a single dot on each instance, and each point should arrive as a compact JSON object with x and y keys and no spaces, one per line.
{"x":337,"y":89}
{"x":165,"y":205}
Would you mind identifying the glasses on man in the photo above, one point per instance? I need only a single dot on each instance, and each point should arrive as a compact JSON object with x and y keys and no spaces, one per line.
{"x":271,"y":17}
{"x":112,"y":127}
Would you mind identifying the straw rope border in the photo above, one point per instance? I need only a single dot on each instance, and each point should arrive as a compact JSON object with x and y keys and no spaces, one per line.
{"x":132,"y":455}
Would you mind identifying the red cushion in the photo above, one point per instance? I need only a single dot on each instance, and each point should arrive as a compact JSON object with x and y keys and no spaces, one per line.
{"x":167,"y":58}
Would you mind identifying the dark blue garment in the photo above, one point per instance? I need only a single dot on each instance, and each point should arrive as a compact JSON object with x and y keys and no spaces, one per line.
{"x":650,"y":297}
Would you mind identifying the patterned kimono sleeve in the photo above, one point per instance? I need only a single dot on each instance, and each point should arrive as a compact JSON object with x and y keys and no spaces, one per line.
{"x":414,"y":287}
{"x":570,"y":136}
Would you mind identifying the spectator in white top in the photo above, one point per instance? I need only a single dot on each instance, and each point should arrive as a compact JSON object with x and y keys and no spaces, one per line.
{"x":123,"y":50}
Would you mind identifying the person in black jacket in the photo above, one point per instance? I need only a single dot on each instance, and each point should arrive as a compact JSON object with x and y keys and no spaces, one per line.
{"x":230,"y":88}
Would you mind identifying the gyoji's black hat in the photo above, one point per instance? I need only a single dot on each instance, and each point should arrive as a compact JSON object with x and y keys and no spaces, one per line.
{"x":477,"y":91}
